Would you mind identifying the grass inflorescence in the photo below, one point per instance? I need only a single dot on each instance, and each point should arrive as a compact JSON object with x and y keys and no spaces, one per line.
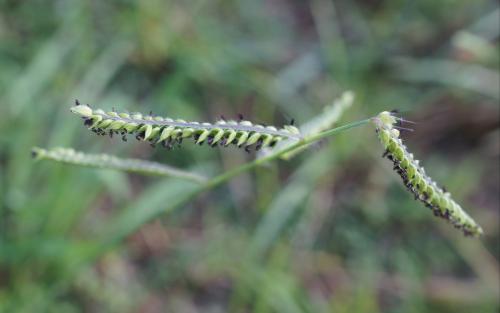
{"x":170,"y":132}
{"x":416,"y":180}
{"x":105,"y":161}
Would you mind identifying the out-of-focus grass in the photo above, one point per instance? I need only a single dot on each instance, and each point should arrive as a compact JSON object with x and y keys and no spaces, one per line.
{"x":330,"y":231}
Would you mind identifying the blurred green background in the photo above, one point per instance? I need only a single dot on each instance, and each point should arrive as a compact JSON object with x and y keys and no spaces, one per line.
{"x":333,"y":230}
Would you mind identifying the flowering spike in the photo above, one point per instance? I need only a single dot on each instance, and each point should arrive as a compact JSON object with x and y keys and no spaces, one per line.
{"x":417,"y":181}
{"x":70,"y":156}
{"x":166,"y":131}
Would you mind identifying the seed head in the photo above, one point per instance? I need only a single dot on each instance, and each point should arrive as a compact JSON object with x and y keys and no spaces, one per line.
{"x":416,"y":180}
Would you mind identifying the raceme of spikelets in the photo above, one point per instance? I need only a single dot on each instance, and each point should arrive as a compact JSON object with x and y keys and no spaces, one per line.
{"x":415,"y":178}
{"x":105,"y":161}
{"x":169,"y":132}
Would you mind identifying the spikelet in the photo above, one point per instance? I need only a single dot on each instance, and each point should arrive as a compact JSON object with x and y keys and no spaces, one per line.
{"x":417,"y":181}
{"x":169,"y":132}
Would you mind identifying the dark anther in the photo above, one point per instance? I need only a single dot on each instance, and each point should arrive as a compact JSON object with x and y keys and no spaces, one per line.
{"x":178,"y":140}
{"x":258,"y":146}
{"x":124,"y":137}
{"x":222,"y":117}
{"x":240,"y":117}
{"x":87,"y":122}
{"x":111,"y":132}
{"x":247,"y":149}
{"x":223,"y":141}
{"x":34,"y":153}
{"x":386,"y":153}
{"x":77,"y":102}
{"x":210,"y":139}
{"x":446,"y":214}
{"x":272,"y":144}
{"x":292,"y":122}
{"x":140,"y":135}
{"x":168,"y":143}
{"x":395,"y":111}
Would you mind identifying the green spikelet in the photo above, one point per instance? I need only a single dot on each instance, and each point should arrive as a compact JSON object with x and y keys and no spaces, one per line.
{"x":417,"y":181}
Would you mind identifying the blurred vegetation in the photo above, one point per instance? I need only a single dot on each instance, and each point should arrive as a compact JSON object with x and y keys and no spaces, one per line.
{"x":332,"y":230}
